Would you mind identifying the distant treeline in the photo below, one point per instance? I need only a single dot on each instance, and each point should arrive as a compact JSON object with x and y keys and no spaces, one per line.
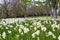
{"x":21,"y":9}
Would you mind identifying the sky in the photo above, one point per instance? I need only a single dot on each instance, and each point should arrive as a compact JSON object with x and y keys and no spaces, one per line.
{"x":1,"y":1}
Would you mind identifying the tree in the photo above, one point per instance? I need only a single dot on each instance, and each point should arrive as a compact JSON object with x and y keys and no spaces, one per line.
{"x":5,"y":5}
{"x":54,"y":5}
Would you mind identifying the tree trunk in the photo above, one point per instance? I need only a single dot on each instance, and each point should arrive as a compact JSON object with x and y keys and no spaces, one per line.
{"x":51,"y":14}
{"x":54,"y":13}
{"x":54,"y":5}
{"x":25,"y":14}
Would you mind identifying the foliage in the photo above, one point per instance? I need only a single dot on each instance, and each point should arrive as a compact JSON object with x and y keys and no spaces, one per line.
{"x":21,"y":8}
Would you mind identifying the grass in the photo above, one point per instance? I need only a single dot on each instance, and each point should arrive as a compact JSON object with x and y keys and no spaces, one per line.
{"x":38,"y":16}
{"x":42,"y":16}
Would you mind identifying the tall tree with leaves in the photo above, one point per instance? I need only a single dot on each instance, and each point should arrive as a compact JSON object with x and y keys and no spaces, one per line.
{"x":25,"y":3}
{"x":5,"y":5}
{"x":54,"y":5}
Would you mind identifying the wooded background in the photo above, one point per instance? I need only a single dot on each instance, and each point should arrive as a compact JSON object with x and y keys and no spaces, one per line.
{"x":27,"y":8}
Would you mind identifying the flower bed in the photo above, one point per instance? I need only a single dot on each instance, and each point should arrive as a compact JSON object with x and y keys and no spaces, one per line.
{"x":30,"y":30}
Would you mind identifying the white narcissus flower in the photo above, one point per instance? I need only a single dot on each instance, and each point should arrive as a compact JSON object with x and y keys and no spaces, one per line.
{"x":17,"y":36}
{"x":59,"y":37}
{"x":37,"y":32}
{"x":20,"y":30}
{"x":3,"y":22}
{"x":54,"y":36}
{"x":21,"y":26}
{"x":26,"y":24}
{"x":46,"y":21}
{"x":34,"y":23}
{"x":31,"y":26}
{"x":53,"y":29}
{"x":22,"y":33}
{"x":38,"y":23}
{"x":6,"y":27}
{"x":17,"y":24}
{"x":43,"y":28}
{"x":33,"y":35}
{"x":26,"y":30}
{"x":9,"y":31}
{"x":58,"y":26}
{"x":55,"y":22}
{"x":4,"y":35}
{"x":55,"y":26}
{"x":15,"y":28}
{"x":35,"y":28}
{"x":51,"y":34}
{"x":38,"y":26}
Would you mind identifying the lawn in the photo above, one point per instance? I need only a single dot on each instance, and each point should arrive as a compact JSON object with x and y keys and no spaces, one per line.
{"x":30,"y":30}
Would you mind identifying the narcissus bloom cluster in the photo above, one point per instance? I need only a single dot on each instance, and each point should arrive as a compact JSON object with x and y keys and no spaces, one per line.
{"x":30,"y":30}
